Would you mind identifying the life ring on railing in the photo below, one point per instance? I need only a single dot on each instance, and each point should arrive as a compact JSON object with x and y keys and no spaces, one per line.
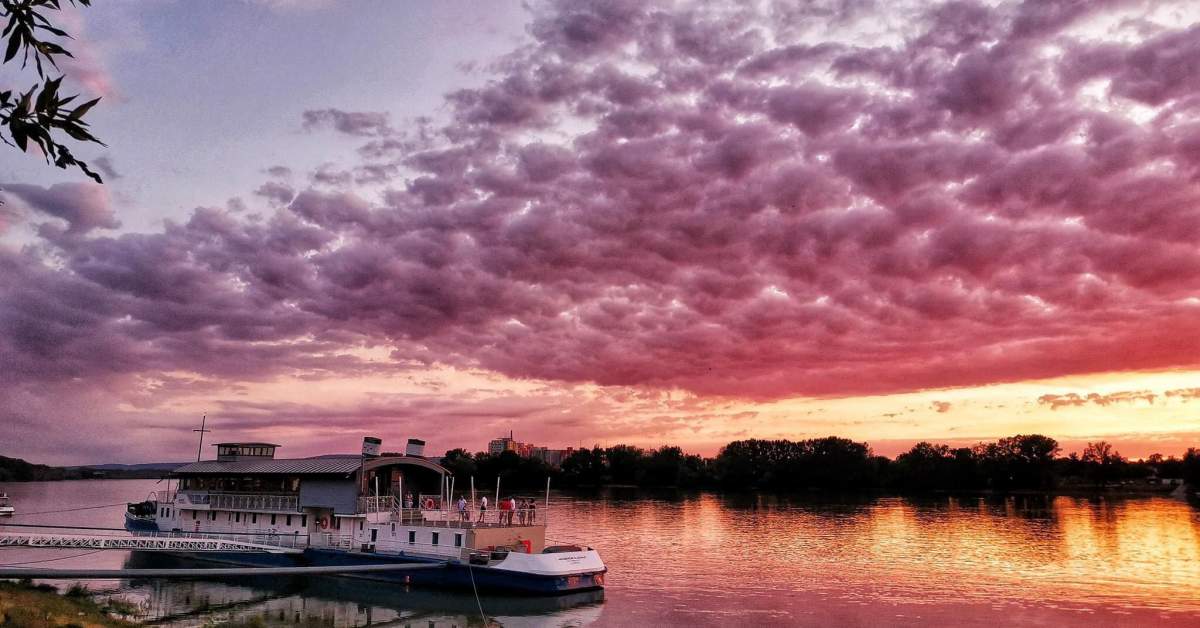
{"x":428,"y":503}
{"x":324,"y":523}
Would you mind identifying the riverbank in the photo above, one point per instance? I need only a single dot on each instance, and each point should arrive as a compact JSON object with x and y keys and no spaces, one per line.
{"x":42,"y":606}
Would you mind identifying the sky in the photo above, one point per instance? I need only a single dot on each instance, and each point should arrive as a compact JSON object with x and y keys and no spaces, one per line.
{"x":610,"y":222}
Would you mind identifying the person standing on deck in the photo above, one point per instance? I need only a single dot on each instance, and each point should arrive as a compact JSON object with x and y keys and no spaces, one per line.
{"x":482,"y":508}
{"x":462,"y":510}
{"x":532,"y":511}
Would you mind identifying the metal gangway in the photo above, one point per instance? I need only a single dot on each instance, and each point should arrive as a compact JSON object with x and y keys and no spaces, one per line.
{"x":160,"y":542}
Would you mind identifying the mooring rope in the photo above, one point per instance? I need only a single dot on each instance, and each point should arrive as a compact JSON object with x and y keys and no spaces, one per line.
{"x":471,"y":571}
{"x":47,"y":560}
{"x":47,"y":512}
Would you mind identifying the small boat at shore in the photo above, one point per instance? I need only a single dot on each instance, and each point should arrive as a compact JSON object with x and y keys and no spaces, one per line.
{"x":6,"y":507}
{"x":351,"y":510}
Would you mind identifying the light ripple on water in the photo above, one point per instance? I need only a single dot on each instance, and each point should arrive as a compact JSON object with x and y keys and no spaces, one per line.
{"x":707,"y":559}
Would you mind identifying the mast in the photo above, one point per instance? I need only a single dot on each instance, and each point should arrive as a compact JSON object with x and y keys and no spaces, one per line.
{"x":200,"y":447}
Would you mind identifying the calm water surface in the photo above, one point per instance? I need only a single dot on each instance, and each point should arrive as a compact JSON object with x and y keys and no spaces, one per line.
{"x":705,"y":559}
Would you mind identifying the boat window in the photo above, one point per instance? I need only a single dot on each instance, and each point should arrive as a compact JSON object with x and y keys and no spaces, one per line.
{"x":303,"y":521}
{"x":360,"y":525}
{"x":254,"y":518}
{"x":237,"y":517}
{"x":412,"y":537}
{"x":393,"y":529}
{"x":195,"y":515}
{"x":272,"y":519}
{"x":289,"y":520}
{"x":457,"y":540}
{"x":435,"y":538}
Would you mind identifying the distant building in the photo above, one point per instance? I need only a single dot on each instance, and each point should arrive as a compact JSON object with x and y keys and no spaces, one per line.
{"x":552,"y":457}
{"x":503,"y":444}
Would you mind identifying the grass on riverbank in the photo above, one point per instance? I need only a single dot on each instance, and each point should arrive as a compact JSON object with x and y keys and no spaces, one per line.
{"x":28,"y":606}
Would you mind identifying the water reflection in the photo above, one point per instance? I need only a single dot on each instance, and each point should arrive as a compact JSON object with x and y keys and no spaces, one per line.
{"x":962,"y":560}
{"x":338,"y":602}
{"x":691,"y":558}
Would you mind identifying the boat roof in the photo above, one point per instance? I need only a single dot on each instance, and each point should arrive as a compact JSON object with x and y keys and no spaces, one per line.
{"x":284,"y":466}
{"x":330,"y":464}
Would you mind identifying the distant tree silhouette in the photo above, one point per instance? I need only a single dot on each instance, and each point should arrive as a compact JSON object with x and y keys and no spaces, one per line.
{"x":1025,"y":462}
{"x":1102,"y":464}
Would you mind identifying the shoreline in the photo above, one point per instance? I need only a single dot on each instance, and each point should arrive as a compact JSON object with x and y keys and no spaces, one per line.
{"x":23,"y":603}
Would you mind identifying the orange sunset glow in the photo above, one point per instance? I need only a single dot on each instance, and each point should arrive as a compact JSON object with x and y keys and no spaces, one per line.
{"x":676,"y":225}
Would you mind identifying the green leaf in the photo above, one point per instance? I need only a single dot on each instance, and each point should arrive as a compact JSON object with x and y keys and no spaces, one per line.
{"x":18,"y":134}
{"x":14,"y":44}
{"x":82,"y":109}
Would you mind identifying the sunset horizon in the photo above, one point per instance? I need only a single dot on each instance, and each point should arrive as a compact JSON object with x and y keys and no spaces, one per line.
{"x":590,"y":240}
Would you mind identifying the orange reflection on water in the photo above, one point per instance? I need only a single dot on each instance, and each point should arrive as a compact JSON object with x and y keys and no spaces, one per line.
{"x":1063,"y":560}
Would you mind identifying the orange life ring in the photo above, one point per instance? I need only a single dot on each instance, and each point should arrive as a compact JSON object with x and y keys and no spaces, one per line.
{"x":428,"y":503}
{"x":324,"y":522}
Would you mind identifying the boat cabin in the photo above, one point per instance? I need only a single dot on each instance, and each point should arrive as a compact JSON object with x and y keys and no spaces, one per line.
{"x":396,"y":503}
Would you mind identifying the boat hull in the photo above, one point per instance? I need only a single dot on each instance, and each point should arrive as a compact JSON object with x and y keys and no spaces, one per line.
{"x":450,"y":576}
{"x":136,"y":524}
{"x":454,"y":575}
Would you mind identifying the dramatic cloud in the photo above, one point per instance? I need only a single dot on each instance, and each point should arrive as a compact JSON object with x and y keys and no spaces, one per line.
{"x":1126,"y":396}
{"x":348,"y":122}
{"x":84,"y":206}
{"x":801,"y":200}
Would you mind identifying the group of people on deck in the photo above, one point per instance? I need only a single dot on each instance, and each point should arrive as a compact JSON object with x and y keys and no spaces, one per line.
{"x":524,"y":510}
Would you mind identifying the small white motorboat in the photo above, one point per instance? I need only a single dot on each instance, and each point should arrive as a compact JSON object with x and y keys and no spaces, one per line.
{"x":6,"y":508}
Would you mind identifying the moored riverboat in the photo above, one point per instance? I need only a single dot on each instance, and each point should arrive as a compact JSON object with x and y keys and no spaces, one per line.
{"x":6,"y":507}
{"x":348,"y":510}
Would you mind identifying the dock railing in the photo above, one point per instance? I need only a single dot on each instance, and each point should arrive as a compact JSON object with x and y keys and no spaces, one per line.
{"x":273,"y":539}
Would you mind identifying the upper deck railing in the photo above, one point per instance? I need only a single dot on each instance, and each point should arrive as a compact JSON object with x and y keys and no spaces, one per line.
{"x":232,"y":501}
{"x":451,"y":516}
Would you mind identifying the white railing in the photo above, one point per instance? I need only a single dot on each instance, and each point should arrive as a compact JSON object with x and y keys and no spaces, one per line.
{"x":237,"y":501}
{"x":385,"y":503}
{"x":470,"y":518}
{"x":161,"y":541}
{"x":272,"y":539}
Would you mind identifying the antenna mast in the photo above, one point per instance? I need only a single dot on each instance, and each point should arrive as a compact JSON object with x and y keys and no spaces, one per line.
{"x":200,"y":448}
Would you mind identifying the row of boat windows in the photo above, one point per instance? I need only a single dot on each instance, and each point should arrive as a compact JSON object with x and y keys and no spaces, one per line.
{"x":245,"y":451}
{"x":286,"y":520}
{"x":248,"y":484}
{"x":250,"y":517}
{"x":435,"y":537}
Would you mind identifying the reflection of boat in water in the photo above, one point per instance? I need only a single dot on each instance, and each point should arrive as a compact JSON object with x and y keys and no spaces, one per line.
{"x":6,"y":507}
{"x":342,"y":602}
{"x":351,"y":510}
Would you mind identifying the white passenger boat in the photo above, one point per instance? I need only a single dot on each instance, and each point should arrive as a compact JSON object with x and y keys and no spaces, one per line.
{"x":362,"y":510}
{"x":6,"y":507}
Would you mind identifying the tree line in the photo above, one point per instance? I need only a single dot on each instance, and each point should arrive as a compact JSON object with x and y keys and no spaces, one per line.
{"x":1021,"y":462}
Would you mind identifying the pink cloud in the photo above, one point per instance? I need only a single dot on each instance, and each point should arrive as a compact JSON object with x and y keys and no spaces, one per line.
{"x":747,"y":214}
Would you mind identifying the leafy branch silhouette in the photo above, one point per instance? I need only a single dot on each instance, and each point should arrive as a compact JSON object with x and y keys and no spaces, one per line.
{"x":35,"y":115}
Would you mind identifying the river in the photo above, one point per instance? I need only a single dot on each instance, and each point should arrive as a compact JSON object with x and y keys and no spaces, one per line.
{"x":704,"y":559}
